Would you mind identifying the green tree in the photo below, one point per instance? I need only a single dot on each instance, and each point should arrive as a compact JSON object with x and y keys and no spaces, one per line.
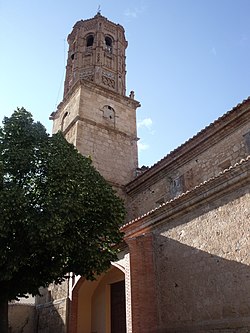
{"x":57,"y":213}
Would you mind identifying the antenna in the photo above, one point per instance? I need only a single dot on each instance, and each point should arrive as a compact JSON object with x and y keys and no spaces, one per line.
{"x":99,"y":10}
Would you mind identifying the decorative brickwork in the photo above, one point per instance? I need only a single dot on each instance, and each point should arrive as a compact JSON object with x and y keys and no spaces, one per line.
{"x":107,"y":49}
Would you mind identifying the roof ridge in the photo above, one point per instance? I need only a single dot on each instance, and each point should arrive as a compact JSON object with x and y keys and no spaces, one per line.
{"x":194,"y":136}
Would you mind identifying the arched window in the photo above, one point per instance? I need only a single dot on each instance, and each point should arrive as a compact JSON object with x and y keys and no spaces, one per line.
{"x":63,"y":121}
{"x":108,"y":42}
{"x":90,"y":41}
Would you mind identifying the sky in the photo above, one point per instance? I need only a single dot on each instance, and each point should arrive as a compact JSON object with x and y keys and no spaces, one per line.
{"x":188,"y":61}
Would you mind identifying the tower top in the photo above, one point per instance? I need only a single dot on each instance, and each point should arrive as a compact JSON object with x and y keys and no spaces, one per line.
{"x":97,"y":53}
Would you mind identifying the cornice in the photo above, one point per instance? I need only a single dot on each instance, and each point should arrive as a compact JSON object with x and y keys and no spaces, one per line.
{"x":101,"y":126}
{"x":227,"y":181}
{"x":199,"y":143}
{"x":100,"y":90}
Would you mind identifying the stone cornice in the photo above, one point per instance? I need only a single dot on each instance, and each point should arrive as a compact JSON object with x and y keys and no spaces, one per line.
{"x":101,"y":126}
{"x":227,"y":181}
{"x":100,"y":90}
{"x":206,"y":138}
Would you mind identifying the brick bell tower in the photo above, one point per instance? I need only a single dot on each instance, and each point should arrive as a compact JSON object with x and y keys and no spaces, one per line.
{"x":95,"y":114}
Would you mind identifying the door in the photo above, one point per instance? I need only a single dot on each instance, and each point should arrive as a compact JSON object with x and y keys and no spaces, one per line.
{"x":118,"y":307}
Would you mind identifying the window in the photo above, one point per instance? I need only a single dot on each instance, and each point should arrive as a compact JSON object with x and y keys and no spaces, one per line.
{"x":90,"y":41}
{"x":63,"y":121}
{"x":108,"y":42}
{"x":108,"y":114}
{"x":177,"y":186}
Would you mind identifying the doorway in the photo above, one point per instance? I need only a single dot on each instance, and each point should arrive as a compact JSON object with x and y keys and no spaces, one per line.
{"x":118,"y":307}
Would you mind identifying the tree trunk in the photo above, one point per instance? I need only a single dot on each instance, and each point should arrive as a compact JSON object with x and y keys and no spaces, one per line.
{"x":4,"y":316}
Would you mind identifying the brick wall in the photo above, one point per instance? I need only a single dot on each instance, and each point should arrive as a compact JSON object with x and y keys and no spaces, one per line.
{"x":143,"y":285}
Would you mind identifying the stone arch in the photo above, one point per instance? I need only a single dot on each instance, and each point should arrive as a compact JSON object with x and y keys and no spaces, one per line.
{"x":90,"y":40}
{"x":90,"y":308}
{"x":63,"y":121}
{"x":109,"y":41}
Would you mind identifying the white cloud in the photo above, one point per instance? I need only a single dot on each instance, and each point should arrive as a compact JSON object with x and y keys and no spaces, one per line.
{"x":136,"y":11}
{"x":142,"y":146}
{"x":213,"y":51}
{"x":147,"y":122}
{"x":131,"y":13}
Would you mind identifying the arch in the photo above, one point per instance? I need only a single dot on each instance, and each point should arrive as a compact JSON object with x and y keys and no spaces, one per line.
{"x":90,"y":308}
{"x":89,"y":40}
{"x":120,"y":267}
{"x":63,"y":120}
{"x":109,"y":44}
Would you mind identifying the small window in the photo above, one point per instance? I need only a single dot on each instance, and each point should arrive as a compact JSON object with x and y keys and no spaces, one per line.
{"x":63,"y":120}
{"x":177,"y":186}
{"x":90,"y":40}
{"x":108,"y":42}
{"x":108,"y":114}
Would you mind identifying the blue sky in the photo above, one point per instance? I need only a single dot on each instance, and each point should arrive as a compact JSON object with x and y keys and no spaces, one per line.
{"x":188,"y":61}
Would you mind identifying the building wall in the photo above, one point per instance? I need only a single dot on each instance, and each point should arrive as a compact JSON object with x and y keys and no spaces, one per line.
{"x":22,"y":318}
{"x":202,"y":266}
{"x":101,"y":62}
{"x":190,"y":271}
{"x":102,"y":125}
{"x":197,"y":163}
{"x":90,"y":300}
{"x":52,"y":309}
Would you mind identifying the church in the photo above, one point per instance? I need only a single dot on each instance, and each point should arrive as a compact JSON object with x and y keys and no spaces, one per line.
{"x":184,"y":265}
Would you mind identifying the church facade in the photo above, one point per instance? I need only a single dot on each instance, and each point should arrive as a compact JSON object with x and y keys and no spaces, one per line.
{"x":184,"y":265}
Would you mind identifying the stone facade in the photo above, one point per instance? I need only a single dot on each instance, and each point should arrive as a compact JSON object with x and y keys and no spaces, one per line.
{"x":95,"y":114}
{"x":185,"y":258}
{"x":218,"y":147}
{"x":199,"y":256}
{"x":22,"y":318}
{"x":102,"y":125}
{"x":52,"y":309}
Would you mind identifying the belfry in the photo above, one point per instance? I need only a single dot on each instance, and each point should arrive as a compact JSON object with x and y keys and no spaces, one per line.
{"x":95,"y":114}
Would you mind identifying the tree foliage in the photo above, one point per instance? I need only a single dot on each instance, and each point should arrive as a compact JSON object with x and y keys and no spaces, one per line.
{"x":57,"y":213}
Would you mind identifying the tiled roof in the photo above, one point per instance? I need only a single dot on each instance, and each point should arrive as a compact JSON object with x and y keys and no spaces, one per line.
{"x":212,"y":125}
{"x":235,"y":166}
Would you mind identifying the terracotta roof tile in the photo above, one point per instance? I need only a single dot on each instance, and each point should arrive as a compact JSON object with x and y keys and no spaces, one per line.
{"x":217,"y":121}
{"x":242,"y":161}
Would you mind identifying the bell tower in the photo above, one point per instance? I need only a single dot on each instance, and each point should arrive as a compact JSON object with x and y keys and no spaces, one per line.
{"x":95,"y":114}
{"x":97,"y":53}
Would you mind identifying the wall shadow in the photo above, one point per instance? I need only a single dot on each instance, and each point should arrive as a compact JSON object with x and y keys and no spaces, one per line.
{"x":22,"y":317}
{"x":202,"y":267}
{"x":198,"y":291}
{"x":51,"y":314}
